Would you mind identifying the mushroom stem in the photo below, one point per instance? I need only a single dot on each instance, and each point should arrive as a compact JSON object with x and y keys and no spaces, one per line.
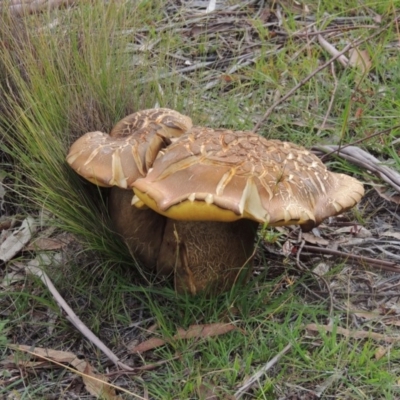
{"x":201,"y":255}
{"x":141,"y":229}
{"x":207,"y":256}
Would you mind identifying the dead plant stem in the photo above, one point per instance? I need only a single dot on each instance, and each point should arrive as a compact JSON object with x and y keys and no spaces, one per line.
{"x":316,"y":71}
{"x":74,"y":319}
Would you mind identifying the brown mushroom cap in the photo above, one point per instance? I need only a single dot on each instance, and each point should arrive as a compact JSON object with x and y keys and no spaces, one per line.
{"x":128,"y":152}
{"x":170,"y":123}
{"x":223,"y":175}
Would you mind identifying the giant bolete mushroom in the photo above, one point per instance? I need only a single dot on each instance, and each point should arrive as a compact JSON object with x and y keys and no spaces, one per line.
{"x":236,"y":180}
{"x":206,"y":193}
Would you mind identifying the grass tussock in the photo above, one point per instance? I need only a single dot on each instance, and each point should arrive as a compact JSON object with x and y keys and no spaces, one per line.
{"x":66,"y":74}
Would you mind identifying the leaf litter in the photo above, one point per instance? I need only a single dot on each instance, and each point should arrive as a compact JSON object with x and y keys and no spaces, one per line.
{"x":95,"y":383}
{"x":193,"y":332}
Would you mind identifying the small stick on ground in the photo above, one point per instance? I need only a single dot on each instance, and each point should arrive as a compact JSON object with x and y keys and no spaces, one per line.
{"x":367,"y":161}
{"x":240,"y":392}
{"x":74,"y":319}
{"x":302,"y":268}
{"x":300,"y":84}
{"x":332,"y":50}
{"x":316,"y":71}
{"x":328,"y":111}
{"x":362,"y":140}
{"x":382,"y":264}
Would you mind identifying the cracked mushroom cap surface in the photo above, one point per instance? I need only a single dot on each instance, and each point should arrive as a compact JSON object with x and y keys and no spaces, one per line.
{"x":126,"y":154}
{"x":223,"y":175}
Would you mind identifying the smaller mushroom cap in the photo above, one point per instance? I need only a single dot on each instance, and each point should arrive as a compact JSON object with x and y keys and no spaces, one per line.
{"x":223,"y":175}
{"x":170,"y":123}
{"x":128,"y":152}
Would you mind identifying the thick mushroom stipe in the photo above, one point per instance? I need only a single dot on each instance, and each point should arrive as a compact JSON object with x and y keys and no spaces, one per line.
{"x":141,"y":230}
{"x":201,"y":256}
{"x":207,"y":256}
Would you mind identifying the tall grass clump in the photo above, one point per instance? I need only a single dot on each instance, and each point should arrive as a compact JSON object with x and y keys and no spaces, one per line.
{"x":63,"y":74}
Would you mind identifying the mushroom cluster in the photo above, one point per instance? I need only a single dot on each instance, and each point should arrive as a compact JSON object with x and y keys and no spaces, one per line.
{"x":200,"y":193}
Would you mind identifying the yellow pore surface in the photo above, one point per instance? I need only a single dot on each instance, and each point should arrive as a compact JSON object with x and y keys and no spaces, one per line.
{"x":189,"y":210}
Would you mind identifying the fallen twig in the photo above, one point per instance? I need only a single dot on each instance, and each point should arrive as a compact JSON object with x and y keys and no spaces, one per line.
{"x":332,"y":100}
{"x":317,"y":70}
{"x":386,"y":265}
{"x":365,"y":160}
{"x":362,"y":140}
{"x":240,"y":392}
{"x":74,"y":319}
{"x":181,"y":71}
{"x":342,"y":28}
{"x":333,"y":51}
{"x":353,"y":334}
{"x":299,"y":85}
{"x":365,"y":294}
{"x":299,"y":264}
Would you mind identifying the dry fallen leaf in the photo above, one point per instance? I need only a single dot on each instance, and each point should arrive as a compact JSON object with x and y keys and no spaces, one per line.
{"x":359,"y":112}
{"x":194,"y":331}
{"x":211,"y":6}
{"x":23,"y":7}
{"x":204,"y":331}
{"x":356,"y":230}
{"x":327,"y":383}
{"x":45,"y":244}
{"x":311,"y":238}
{"x":360,"y":59}
{"x":17,"y":240}
{"x":95,"y":384}
{"x":12,"y":277}
{"x":392,"y":234}
{"x":380,"y":352}
{"x":321,"y":269}
{"x":56,"y":355}
{"x":208,"y":391}
{"x":392,"y":321}
{"x":387,"y":193}
{"x":353,"y":334}
{"x":287,"y":248}
{"x":11,"y":362}
{"x":368,"y":315}
{"x":147,"y":345}
{"x":6,"y":223}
